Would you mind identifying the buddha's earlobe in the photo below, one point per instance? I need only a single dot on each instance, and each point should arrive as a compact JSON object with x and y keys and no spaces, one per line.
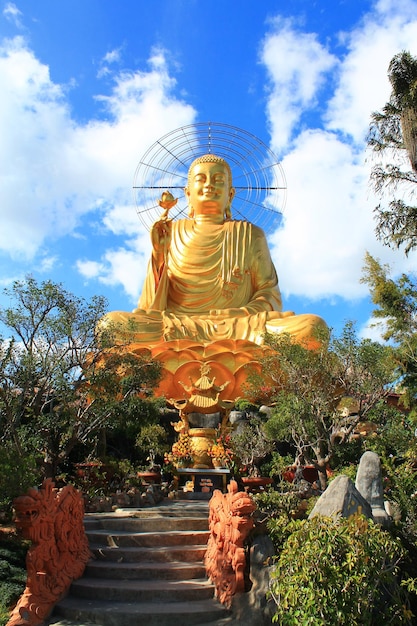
{"x":190,"y":208}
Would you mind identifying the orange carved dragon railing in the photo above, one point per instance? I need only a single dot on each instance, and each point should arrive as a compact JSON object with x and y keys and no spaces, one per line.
{"x":230,"y":522}
{"x":53,"y":520}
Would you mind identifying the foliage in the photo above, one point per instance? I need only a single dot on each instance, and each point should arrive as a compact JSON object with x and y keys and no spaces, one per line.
{"x":307,"y":387}
{"x":274,"y":504}
{"x":394,"y":437}
{"x":250,"y":443}
{"x":152,"y":441}
{"x":242,"y":404}
{"x":396,"y":309}
{"x":104,"y":477}
{"x":12,"y":572}
{"x":277,"y":466}
{"x":393,"y":134}
{"x":17,"y":475}
{"x":61,"y":385}
{"x":401,"y":491}
{"x":339,"y":572}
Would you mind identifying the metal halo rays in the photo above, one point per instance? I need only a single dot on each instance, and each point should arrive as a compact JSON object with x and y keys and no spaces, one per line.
{"x":258,"y":178}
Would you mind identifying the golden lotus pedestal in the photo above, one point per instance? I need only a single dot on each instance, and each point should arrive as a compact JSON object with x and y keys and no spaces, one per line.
{"x":229,"y":362}
{"x":203,"y":379}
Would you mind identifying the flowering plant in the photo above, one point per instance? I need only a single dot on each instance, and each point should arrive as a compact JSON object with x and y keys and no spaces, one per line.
{"x":181,"y":451}
{"x":221,"y":450}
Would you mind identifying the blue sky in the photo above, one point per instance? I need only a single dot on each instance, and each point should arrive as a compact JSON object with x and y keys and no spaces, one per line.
{"x":87,"y":86}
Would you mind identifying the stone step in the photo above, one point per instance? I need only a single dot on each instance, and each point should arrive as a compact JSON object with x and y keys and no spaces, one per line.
{"x":148,"y":539}
{"x":148,"y":569}
{"x":160,"y":554}
{"x":147,"y":524}
{"x":192,"y":508}
{"x":142,"y":591}
{"x":144,"y":570}
{"x":90,"y":612}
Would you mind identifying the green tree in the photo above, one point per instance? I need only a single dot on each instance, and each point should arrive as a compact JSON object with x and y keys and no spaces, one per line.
{"x":306,"y":388}
{"x":396,"y":310}
{"x":393,"y":135}
{"x":60,"y":383}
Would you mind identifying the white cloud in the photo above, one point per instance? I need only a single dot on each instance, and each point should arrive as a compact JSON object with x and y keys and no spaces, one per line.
{"x":373,"y":329}
{"x":113,"y":56}
{"x":328,"y":223}
{"x":321,"y":246}
{"x":297,"y":64}
{"x":13,"y":14}
{"x":55,"y":170}
{"x":363,"y":83}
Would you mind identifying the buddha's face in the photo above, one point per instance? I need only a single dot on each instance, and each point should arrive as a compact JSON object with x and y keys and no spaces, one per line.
{"x":209,"y":191}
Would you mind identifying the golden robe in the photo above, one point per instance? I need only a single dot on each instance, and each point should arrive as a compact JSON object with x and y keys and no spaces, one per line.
{"x":217,"y":282}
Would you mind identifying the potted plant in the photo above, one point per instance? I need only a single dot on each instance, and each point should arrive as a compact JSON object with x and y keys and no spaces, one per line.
{"x":151,"y":441}
{"x":250,"y":445}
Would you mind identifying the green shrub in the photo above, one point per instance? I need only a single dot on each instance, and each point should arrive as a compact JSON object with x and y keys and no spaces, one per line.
{"x":12,"y":573}
{"x":343,"y":572}
{"x":17,"y":475}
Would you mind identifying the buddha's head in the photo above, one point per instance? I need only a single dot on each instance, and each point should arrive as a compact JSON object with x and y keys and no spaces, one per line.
{"x":209,"y":188}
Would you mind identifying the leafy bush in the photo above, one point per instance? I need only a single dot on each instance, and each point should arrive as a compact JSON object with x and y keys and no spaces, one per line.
{"x":274,"y":504}
{"x":343,"y":572}
{"x":12,"y":573}
{"x":17,"y":475}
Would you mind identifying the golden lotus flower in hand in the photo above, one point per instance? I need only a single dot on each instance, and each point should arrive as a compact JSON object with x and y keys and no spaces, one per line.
{"x":167,"y":200}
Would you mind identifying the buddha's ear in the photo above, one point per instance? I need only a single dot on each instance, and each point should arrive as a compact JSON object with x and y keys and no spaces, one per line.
{"x":232,"y":193}
{"x":190,"y":208}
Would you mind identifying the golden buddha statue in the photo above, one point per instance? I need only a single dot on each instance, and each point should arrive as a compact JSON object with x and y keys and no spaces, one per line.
{"x":210,"y":278}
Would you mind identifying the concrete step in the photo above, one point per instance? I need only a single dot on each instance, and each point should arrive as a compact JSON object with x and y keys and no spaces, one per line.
{"x":148,"y":539}
{"x":144,"y":570}
{"x":171,"y":508}
{"x":90,"y":612}
{"x":147,"y":524}
{"x":160,"y":554}
{"x":153,"y":591}
{"x":148,"y":569}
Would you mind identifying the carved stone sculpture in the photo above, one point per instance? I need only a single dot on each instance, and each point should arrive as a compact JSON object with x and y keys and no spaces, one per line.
{"x":53,"y":520}
{"x":230,"y":522}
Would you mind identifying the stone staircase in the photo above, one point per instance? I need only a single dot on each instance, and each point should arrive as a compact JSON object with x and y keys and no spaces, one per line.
{"x":148,"y":569}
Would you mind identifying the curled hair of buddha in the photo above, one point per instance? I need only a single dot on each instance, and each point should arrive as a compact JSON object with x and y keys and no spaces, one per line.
{"x":211,"y":158}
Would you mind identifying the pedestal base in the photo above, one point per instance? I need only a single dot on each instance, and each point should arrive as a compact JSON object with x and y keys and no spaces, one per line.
{"x":200,"y":483}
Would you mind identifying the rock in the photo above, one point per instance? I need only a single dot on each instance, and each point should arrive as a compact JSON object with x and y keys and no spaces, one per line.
{"x":253,"y":608}
{"x":237,"y":416}
{"x":369,"y":485}
{"x":341,"y":498}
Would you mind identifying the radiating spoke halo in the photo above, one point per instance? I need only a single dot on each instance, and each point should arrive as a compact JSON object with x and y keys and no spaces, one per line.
{"x":257,"y":175}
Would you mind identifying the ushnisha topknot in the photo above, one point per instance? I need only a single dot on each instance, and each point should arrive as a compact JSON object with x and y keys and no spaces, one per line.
{"x":210,"y":158}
